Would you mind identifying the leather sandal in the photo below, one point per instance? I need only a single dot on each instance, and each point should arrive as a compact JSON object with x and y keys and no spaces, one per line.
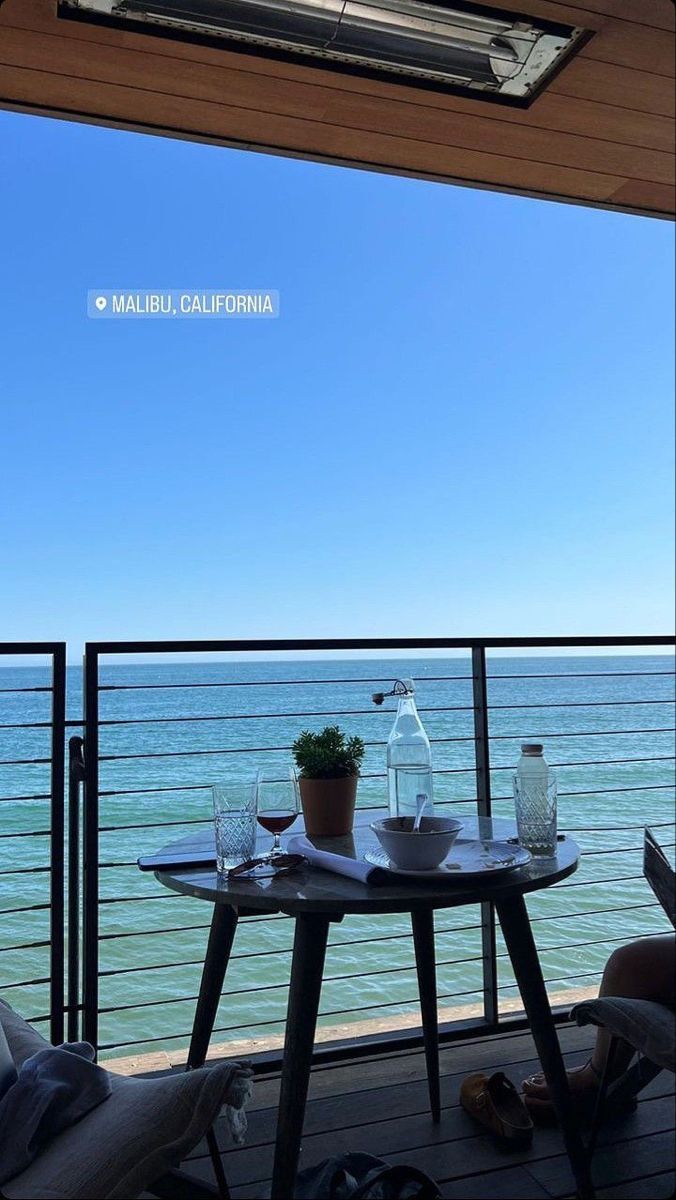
{"x":495,"y":1103}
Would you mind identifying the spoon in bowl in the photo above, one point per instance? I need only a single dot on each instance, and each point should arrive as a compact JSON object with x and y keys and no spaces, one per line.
{"x":421,"y":804}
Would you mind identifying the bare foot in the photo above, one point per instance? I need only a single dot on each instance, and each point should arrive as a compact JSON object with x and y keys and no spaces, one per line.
{"x":580,"y":1079}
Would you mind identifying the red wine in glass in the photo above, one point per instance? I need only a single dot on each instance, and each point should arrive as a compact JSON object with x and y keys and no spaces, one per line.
{"x":276,"y":822}
{"x":277,"y":803}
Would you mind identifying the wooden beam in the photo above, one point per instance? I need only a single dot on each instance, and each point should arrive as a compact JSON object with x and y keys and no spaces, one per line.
{"x":163,"y":78}
{"x":602,"y":133}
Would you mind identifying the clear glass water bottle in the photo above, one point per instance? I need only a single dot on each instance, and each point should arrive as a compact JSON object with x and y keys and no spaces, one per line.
{"x":409,"y":758}
{"x":535,"y":801}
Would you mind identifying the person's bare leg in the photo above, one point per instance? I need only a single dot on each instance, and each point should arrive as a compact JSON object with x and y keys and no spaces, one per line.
{"x":642,"y":970}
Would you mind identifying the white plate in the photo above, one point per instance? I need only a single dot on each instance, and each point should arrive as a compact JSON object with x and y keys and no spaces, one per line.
{"x":468,"y":859}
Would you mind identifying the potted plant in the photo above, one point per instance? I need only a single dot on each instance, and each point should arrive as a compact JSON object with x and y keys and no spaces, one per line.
{"x":328,"y":769}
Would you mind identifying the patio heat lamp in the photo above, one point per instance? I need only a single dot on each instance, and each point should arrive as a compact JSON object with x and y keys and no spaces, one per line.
{"x":457,"y":47}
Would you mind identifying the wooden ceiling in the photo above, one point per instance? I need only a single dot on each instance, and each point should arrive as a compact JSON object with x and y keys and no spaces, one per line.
{"x":602,"y":132}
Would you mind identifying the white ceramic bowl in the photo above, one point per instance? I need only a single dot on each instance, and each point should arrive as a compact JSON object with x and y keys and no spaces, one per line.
{"x":421,"y":851}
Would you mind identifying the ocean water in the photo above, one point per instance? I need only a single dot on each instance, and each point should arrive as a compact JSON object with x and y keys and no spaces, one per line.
{"x":608,"y":727}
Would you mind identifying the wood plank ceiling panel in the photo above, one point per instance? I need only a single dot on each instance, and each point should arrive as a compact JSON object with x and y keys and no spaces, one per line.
{"x":602,"y":133}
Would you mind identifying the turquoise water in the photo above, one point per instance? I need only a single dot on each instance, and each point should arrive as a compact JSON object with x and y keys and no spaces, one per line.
{"x":254,"y":720}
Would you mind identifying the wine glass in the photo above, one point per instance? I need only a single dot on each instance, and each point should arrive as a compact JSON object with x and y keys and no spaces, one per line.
{"x":277,"y":803}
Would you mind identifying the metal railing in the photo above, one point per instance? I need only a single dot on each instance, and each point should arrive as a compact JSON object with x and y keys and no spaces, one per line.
{"x":156,"y":736}
{"x":32,"y":734}
{"x":151,"y":752}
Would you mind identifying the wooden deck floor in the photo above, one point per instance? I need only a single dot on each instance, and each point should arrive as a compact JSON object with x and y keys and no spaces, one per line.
{"x":379,"y":1105}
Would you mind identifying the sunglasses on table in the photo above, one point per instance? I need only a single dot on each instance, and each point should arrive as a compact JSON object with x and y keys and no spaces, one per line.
{"x":281,"y":864}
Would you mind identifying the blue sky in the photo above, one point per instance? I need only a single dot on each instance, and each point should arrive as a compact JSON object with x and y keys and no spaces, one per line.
{"x":461,"y":423}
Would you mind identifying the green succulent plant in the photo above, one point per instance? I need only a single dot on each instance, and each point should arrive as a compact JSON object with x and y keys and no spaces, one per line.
{"x":327,"y":755}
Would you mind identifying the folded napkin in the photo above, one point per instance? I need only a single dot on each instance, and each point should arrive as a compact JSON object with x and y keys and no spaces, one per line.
{"x":341,"y":859}
{"x":51,"y":1090}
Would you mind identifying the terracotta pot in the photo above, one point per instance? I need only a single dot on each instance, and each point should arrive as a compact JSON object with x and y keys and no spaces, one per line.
{"x":328,"y":805}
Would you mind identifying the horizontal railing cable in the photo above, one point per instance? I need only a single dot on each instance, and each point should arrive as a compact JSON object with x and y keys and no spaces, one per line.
{"x":282,"y":716}
{"x":640,"y":787}
{"x":600,"y":762}
{"x":24,"y":762}
{"x":25,"y":983}
{"x":25,"y":946}
{"x":23,"y":908}
{"x":20,"y":691}
{"x":26,"y":871}
{"x":585,"y":733}
{"x":287,"y":950}
{"x":404,"y":1003}
{"x":580,"y":704}
{"x":356,"y":679}
{"x":579,"y":675}
{"x":22,"y":833}
{"x":263,"y":683}
{"x":28,"y":725}
{"x":367,"y":941}
{"x":594,"y":912}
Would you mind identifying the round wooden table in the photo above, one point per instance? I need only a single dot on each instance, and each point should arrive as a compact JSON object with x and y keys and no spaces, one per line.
{"x":315,"y":898}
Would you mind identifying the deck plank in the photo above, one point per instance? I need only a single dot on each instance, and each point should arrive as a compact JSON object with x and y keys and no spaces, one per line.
{"x":660,"y":1186}
{"x":505,"y":1184}
{"x":616,"y":1164}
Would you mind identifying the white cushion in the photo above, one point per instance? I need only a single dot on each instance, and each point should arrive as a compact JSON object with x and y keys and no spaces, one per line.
{"x":142,"y":1130}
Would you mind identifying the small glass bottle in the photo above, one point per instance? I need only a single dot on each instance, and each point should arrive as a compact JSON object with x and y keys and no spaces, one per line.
{"x":535,"y":801}
{"x":409,"y":758}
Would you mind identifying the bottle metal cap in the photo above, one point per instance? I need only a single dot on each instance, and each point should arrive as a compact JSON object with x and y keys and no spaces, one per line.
{"x":531,"y":747}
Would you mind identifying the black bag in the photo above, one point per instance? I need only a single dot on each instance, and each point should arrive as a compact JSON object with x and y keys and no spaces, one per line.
{"x":362,"y":1177}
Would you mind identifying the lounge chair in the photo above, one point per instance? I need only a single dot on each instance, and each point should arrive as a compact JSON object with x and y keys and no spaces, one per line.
{"x":133,"y":1141}
{"x":647,"y":1027}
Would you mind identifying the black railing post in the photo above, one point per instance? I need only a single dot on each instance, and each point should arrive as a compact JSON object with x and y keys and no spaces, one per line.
{"x":75,"y":779}
{"x":56,"y":853}
{"x":483,"y":784}
{"x":90,"y":858}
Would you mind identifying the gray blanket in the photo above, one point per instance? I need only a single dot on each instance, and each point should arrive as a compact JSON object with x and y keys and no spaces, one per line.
{"x":52,"y":1090}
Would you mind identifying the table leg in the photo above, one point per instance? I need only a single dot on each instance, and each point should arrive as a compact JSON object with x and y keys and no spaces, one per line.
{"x":422,"y":921}
{"x":307,"y":968}
{"x":518,"y":936}
{"x":221,"y":937}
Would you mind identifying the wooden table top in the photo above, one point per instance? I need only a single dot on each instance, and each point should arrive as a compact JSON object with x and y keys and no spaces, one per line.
{"x":310,"y":889}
